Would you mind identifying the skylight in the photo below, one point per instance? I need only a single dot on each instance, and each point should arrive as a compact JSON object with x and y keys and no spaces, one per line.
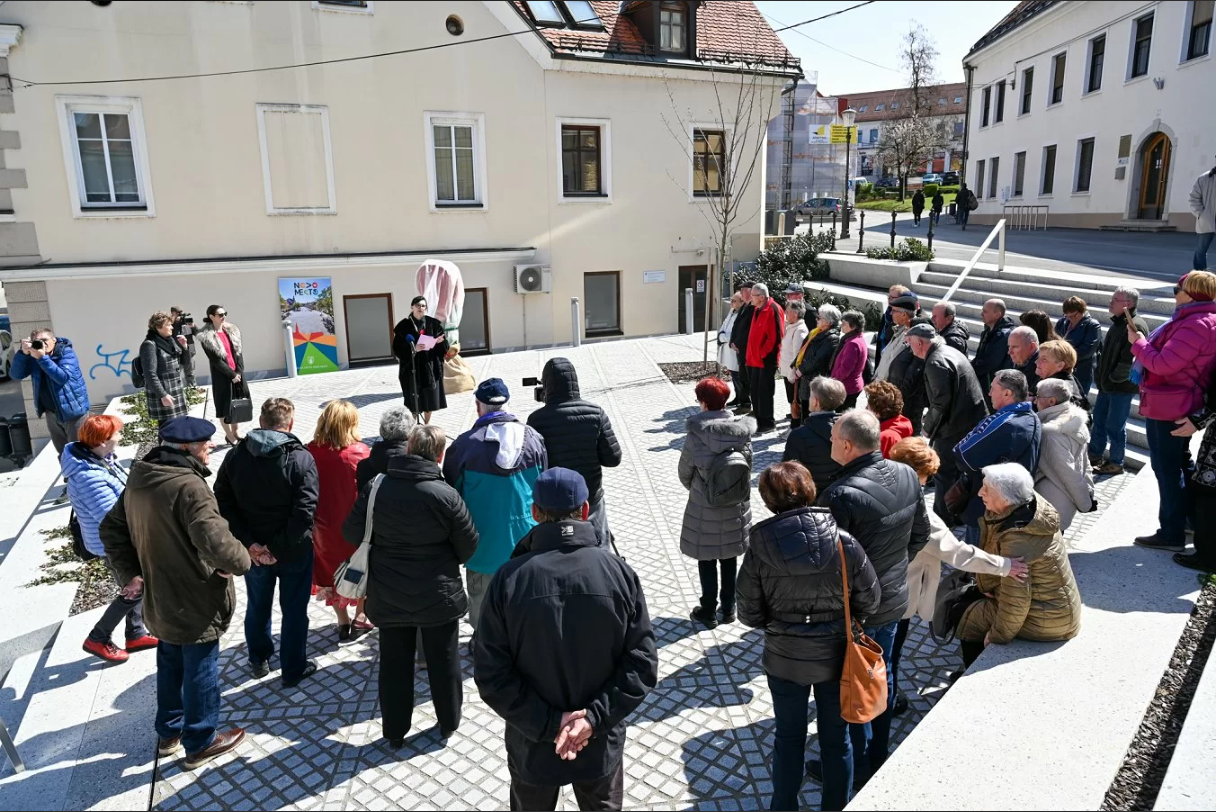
{"x":545,"y":12}
{"x":582,"y":15}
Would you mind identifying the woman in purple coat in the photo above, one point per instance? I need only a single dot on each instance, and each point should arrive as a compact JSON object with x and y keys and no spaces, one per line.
{"x":849,"y":364}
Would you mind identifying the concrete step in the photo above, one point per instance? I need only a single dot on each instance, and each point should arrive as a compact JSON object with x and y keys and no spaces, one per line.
{"x":1150,"y":226}
{"x":1084,"y":281}
{"x":1054,"y":293}
{"x":970,"y":302}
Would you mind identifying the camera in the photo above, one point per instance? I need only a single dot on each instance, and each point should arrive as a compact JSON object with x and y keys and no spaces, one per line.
{"x":538,"y":391}
{"x":37,"y":344}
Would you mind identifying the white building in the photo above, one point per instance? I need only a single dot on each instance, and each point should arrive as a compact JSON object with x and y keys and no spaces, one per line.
{"x":1103,"y":112}
{"x":569,"y":135}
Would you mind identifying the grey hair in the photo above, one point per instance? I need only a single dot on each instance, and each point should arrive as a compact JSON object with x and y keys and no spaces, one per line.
{"x":854,"y":319}
{"x":1128,"y":293}
{"x":999,"y":304}
{"x":1012,"y":481}
{"x":1027,"y":333}
{"x":829,"y":392}
{"x":428,"y":442}
{"x":859,"y":427}
{"x":948,"y":308}
{"x":760,"y":288}
{"x":397,"y":423}
{"x":1059,"y":390}
{"x":830,"y":313}
{"x":1013,"y":381}
{"x":798,"y":306}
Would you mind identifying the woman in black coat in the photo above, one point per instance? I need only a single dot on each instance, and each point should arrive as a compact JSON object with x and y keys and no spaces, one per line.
{"x":791,"y":585}
{"x":221,"y":341}
{"x":817,"y":358}
{"x":421,"y":370}
{"x":421,"y":534}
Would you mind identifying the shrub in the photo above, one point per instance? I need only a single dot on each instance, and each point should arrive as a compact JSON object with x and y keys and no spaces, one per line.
{"x":930,"y":190}
{"x":793,"y":260}
{"x":946,"y":189}
{"x":871,"y":310}
{"x":910,"y":250}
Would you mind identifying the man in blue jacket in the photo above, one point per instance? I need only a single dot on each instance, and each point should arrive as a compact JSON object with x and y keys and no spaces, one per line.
{"x":60,"y":396}
{"x":494,"y":466}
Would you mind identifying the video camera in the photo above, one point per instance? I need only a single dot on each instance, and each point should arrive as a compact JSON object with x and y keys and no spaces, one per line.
{"x":37,"y":344}
{"x":538,"y":391}
{"x":184,"y":326}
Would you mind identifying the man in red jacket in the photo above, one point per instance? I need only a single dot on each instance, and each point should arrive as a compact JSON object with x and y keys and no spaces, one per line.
{"x":763,"y":346}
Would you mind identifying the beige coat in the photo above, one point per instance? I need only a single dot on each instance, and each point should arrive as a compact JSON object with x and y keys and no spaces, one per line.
{"x":1064,"y":477}
{"x":795,"y":333}
{"x":925,"y":571}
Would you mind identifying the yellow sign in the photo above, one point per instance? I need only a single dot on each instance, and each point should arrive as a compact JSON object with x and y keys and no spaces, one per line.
{"x":842,"y":134}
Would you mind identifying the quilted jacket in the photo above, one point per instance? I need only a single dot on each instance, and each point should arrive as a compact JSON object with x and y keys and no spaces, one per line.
{"x":1177,"y":362}
{"x":1064,"y":477}
{"x":62,"y":371}
{"x":712,"y":533}
{"x":94,"y":485}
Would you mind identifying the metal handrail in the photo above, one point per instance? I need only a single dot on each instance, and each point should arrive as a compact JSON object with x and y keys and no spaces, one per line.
{"x":999,"y":228}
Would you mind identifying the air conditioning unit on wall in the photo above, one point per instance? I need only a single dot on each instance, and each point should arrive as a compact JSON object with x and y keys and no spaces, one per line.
{"x":533,"y":279}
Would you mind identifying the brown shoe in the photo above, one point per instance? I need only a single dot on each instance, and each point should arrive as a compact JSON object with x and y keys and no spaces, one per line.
{"x":224,"y":742}
{"x":168,"y":747}
{"x":1109,"y":469}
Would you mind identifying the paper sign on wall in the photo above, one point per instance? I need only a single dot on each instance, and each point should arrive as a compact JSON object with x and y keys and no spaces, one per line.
{"x":700,"y":286}
{"x":652,"y":277}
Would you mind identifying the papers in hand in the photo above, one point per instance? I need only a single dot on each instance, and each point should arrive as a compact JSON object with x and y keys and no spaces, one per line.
{"x":426,"y":342}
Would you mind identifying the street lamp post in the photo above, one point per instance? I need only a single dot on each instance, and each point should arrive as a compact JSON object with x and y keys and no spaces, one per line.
{"x":849,"y":116}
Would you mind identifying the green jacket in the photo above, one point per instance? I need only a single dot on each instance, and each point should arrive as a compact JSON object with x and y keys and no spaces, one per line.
{"x":167,"y":528}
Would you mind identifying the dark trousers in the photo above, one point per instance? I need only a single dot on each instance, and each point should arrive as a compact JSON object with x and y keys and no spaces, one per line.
{"x":850,"y":402}
{"x":1171,"y":465}
{"x":188,"y":693}
{"x":901,"y":635}
{"x":763,"y":386}
{"x":397,"y":647}
{"x":971,"y":649}
{"x":1202,"y":244}
{"x":789,"y":743}
{"x":872,"y":741}
{"x":602,"y":793}
{"x":1204,"y":499}
{"x":739,"y":381}
{"x":119,"y":608}
{"x":744,"y":383}
{"x":295,"y":589}
{"x":708,"y":570}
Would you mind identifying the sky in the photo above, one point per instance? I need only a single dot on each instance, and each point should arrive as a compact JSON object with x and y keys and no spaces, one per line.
{"x":873,"y":33}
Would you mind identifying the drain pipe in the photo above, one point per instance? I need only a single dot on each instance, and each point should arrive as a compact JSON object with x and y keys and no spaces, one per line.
{"x":970,"y":71}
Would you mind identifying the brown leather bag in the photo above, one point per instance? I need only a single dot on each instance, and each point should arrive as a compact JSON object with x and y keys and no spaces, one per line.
{"x":863,"y":682}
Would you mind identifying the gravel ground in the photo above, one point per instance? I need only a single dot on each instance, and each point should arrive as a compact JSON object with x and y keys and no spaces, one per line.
{"x":1139,"y":779}
{"x":692,"y":371}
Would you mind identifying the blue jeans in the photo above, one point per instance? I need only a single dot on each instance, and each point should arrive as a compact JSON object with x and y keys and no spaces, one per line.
{"x":188,"y":693}
{"x":872,"y":740}
{"x":1170,"y":457}
{"x":1111,"y":411}
{"x":789,"y":743}
{"x":295,"y":589}
{"x":1201,"y":251}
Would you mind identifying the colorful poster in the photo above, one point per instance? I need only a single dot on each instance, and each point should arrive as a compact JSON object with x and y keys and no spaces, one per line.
{"x":309,"y":305}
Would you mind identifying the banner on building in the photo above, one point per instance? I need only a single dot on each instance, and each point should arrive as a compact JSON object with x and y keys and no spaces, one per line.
{"x":309,"y":305}
{"x":840,"y":133}
{"x":820,"y":135}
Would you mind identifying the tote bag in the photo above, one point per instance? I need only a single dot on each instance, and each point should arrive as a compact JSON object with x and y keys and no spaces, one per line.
{"x":863,"y":682}
{"x":350,"y":579}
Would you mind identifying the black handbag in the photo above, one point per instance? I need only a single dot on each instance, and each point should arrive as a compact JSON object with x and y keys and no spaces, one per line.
{"x":81,"y":551}
{"x":240,"y":408}
{"x":955,"y":592}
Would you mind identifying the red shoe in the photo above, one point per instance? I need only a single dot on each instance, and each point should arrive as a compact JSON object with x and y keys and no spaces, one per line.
{"x":106,"y":651}
{"x":141,"y":643}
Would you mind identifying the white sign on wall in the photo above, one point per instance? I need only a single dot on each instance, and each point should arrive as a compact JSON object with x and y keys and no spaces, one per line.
{"x":652,"y":277}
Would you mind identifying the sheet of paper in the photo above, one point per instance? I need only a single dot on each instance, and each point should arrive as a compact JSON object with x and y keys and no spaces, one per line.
{"x":426,"y":342}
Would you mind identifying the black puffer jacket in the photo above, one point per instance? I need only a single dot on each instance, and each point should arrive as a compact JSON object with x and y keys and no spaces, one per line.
{"x":421,"y":534}
{"x":578,"y":434}
{"x":791,"y":586}
{"x":879,"y":503}
{"x":811,"y":445}
{"x":817,"y":360}
{"x":992,"y":354}
{"x":956,"y":402}
{"x":378,"y":460}
{"x":908,"y":373}
{"x":956,"y":335}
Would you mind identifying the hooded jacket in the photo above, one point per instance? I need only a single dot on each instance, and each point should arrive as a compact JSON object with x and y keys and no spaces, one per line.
{"x":712,"y":533}
{"x":1177,"y":362}
{"x":892,"y":431}
{"x":791,"y":586}
{"x":421,"y":534}
{"x":1064,"y":476}
{"x":578,"y":434}
{"x":992,"y":354}
{"x":879,"y":503}
{"x":268,"y":489}
{"x":167,"y":529}
{"x":564,"y":627}
{"x":1046,"y":607}
{"x":811,"y":445}
{"x":61,"y":372}
{"x":94,"y":485}
{"x":1114,"y":375}
{"x":493,"y":466}
{"x":1013,"y":434}
{"x":956,"y":402}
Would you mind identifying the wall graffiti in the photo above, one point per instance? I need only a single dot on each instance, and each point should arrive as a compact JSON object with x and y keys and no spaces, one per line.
{"x":120,"y":367}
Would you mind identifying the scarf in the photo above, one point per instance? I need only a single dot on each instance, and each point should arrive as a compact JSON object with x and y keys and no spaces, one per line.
{"x":802,"y":350}
{"x":168,"y":345}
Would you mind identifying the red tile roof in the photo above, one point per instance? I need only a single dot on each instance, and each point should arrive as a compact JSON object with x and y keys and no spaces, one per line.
{"x":903,"y":95}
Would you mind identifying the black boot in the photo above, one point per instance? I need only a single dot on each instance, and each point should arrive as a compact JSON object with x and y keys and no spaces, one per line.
{"x":705,"y":617}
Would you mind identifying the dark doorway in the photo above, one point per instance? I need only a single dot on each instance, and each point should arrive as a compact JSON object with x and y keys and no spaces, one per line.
{"x":1155,"y":170}
{"x":369,"y":328}
{"x":475,"y":323}
{"x":697,"y":278}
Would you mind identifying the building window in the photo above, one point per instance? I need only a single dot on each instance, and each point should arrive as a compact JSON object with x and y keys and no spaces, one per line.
{"x":545,"y":12}
{"x":581,"y":163}
{"x":941,"y":102}
{"x":879,"y":108}
{"x":1057,"y":79}
{"x":1097,"y":57}
{"x":999,"y":115}
{"x":987,"y":104}
{"x":354,"y":6}
{"x":1048,"y":183}
{"x":863,"y":108}
{"x":979,"y":178}
{"x":894,"y":105}
{"x":297,"y":159}
{"x":1142,"y":44}
{"x":958,"y":129}
{"x":1199,"y":37}
{"x":958,"y":99}
{"x":1027,"y":88}
{"x":671,"y":27}
{"x":1019,"y":173}
{"x":582,"y":15}
{"x":873,"y":135}
{"x":1085,"y":164}
{"x":602,"y":296}
{"x":456,"y":159}
{"x":993,"y":176}
{"x":108,"y":159}
{"x":708,"y":162}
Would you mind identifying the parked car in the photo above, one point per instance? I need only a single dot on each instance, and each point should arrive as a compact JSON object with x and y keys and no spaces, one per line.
{"x":821,"y":205}
{"x":932,"y":177}
{"x":950,"y":179}
{"x":887,"y":183}
{"x":6,"y":353}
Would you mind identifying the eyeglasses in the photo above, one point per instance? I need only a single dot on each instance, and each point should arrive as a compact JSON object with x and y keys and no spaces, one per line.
{"x":221,"y":313}
{"x":1177,"y":289}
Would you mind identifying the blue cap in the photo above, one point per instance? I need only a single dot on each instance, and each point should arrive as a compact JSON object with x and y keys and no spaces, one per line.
{"x":559,"y":490}
{"x":186,"y":430}
{"x":492,"y":392}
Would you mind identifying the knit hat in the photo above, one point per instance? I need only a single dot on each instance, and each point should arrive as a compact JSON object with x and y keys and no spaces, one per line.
{"x":492,"y":392}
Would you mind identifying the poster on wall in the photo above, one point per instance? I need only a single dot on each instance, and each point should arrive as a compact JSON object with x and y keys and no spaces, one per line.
{"x":309,"y":305}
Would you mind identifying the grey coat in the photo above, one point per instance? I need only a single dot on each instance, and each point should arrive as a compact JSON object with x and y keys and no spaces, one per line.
{"x":713,"y":533}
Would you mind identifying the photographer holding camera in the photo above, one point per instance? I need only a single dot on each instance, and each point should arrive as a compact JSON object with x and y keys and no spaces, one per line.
{"x":578,"y":434}
{"x":60,"y":395}
{"x":183,"y":327}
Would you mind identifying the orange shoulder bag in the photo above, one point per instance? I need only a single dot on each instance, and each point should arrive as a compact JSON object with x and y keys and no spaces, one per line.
{"x":863,"y":682}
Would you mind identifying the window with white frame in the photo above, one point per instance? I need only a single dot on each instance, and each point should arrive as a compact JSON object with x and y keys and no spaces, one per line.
{"x":1059,"y":63}
{"x":987,"y":97}
{"x":878,"y":109}
{"x":1019,"y":173}
{"x":1142,"y":46}
{"x":1047,"y":183}
{"x":456,"y":160}
{"x":873,"y":135}
{"x":709,"y":167}
{"x":979,"y":179}
{"x":998,"y":115}
{"x":958,"y":99}
{"x":297,"y":159}
{"x":993,"y":175}
{"x":1198,"y":30}
{"x":106,"y":155}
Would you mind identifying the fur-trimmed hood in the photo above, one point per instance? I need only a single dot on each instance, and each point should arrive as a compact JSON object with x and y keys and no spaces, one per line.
{"x":209,"y":338}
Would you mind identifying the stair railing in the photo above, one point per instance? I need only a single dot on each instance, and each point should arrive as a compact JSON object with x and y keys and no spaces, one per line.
{"x":997,"y":231}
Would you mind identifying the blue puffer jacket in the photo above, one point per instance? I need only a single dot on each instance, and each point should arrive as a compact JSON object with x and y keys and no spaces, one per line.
{"x":493,"y":466}
{"x":1013,"y":434}
{"x":63,"y":371}
{"x":94,"y":485}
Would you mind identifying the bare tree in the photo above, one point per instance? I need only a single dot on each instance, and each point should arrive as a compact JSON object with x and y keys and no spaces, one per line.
{"x":918,"y":54}
{"x":908,"y":143}
{"x":725,"y":157}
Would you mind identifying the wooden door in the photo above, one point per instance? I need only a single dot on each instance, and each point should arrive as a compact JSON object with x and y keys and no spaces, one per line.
{"x":1155,"y":160}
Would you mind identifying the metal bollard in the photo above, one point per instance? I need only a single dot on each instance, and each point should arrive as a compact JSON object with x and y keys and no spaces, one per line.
{"x":930,"y":229}
{"x":833,"y":231}
{"x":892,"y":229}
{"x":688,"y":311}
{"x":861,"y":233}
{"x":576,"y":330}
{"x":289,"y":348}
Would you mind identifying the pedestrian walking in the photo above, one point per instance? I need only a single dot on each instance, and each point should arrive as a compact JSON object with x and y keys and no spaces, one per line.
{"x":918,"y":206}
{"x":1203,"y":205}
{"x":221,"y":340}
{"x":763,"y":349}
{"x":852,"y":356}
{"x":169,"y":544}
{"x":164,"y":384}
{"x":60,"y":395}
{"x":939,"y":203}
{"x":967,"y":203}
{"x":420,"y":344}
{"x":1084,"y":333}
{"x":1116,"y":389}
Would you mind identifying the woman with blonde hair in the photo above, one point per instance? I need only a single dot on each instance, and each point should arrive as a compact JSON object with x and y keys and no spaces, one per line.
{"x":1058,"y":359}
{"x":337,"y":450}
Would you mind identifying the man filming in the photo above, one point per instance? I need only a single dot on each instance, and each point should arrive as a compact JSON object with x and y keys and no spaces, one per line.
{"x":60,"y":395}
{"x":183,"y":327}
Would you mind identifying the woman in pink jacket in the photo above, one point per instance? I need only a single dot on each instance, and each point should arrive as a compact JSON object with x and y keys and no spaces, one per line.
{"x":1175,"y":366}
{"x":849,"y":365}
